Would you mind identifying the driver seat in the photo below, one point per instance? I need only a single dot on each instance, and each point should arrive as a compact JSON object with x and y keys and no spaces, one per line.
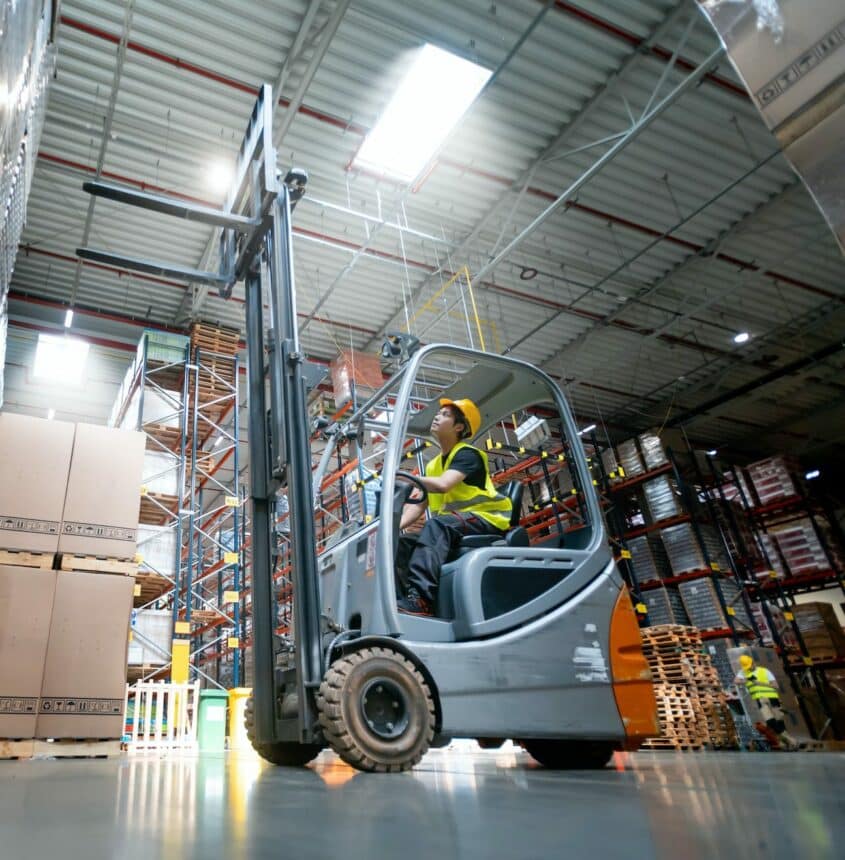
{"x":515,"y":535}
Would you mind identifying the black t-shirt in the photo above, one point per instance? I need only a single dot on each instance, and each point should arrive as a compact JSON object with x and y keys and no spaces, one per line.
{"x":469,"y":463}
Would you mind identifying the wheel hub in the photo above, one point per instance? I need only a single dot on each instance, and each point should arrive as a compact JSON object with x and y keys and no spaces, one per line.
{"x":384,"y":708}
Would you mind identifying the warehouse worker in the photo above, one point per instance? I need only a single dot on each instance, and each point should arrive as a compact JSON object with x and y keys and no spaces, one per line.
{"x":462,"y":499}
{"x":762,"y":686}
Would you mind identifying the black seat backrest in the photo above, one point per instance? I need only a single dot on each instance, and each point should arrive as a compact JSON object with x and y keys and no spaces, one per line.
{"x":514,"y":490}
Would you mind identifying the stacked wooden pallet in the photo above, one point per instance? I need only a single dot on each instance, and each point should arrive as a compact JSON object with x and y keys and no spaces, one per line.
{"x":692,"y":708}
{"x":214,"y":349}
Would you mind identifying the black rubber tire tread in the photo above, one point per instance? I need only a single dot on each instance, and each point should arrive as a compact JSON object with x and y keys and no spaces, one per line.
{"x":337,"y":702}
{"x":283,"y":753}
{"x":570,"y":755}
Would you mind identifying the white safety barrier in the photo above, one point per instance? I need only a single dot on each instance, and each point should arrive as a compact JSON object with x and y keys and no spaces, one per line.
{"x":163,"y":716}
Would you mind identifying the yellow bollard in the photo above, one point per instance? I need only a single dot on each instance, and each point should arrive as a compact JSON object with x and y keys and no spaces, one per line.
{"x":237,"y":731}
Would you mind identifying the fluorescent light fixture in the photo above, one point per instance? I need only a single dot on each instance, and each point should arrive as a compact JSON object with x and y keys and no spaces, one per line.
{"x":712,"y":452}
{"x":434,"y":94}
{"x":742,"y":337}
{"x":60,"y":359}
{"x":51,"y":414}
{"x":68,"y":317}
{"x":813,"y":473}
{"x":219,"y":176}
{"x":587,"y":429}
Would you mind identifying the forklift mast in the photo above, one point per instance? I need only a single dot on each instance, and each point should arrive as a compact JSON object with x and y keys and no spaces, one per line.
{"x":255,"y":248}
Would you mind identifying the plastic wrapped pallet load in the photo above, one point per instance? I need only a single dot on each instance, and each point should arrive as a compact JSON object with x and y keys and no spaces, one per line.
{"x":152,"y":634}
{"x":162,"y":407}
{"x":682,"y":548}
{"x":664,"y":606}
{"x":704,"y":609}
{"x":629,"y":458}
{"x":800,"y":546}
{"x":772,"y":479}
{"x":653,"y":452}
{"x":161,"y":473}
{"x":157,"y":549}
{"x":662,"y":498}
{"x":648,"y":558}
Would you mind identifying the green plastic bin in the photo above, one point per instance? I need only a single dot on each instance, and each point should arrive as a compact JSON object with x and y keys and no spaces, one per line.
{"x":211,"y":725}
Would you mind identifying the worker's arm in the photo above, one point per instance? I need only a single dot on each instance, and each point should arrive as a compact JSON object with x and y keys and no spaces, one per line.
{"x":411,"y":513}
{"x":443,"y":483}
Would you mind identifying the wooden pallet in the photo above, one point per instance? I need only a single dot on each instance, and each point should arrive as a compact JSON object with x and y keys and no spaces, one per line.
{"x":21,"y":558}
{"x":97,"y":564}
{"x":166,"y":435}
{"x":671,"y":745}
{"x":150,"y":511}
{"x":152,"y":585}
{"x":59,"y":748}
{"x":214,"y":338}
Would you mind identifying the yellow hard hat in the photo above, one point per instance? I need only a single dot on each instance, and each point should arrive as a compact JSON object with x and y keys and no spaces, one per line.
{"x":745,"y":661}
{"x":469,"y":411}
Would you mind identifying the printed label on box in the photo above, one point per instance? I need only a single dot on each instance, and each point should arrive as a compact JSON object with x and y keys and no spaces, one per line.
{"x":24,"y":524}
{"x":82,"y":707}
{"x":18,"y":705}
{"x":99,"y":531}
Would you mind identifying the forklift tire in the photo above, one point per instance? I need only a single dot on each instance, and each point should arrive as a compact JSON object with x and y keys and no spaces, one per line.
{"x":569,"y":755}
{"x":376,"y":710}
{"x":283,"y":753}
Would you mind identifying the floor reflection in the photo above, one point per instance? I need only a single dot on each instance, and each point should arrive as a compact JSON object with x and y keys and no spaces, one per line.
{"x":460,"y":803}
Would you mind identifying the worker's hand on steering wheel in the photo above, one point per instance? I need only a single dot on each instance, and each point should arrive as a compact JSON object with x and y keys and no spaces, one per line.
{"x":419,"y":494}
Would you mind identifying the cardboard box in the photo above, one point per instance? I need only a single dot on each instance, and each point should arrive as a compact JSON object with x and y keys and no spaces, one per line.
{"x":84,"y":684}
{"x":34,"y":464}
{"x":26,"y":604}
{"x":103,"y":493}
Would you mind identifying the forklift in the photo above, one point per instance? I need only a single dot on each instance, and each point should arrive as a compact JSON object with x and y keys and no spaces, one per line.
{"x":533,"y":639}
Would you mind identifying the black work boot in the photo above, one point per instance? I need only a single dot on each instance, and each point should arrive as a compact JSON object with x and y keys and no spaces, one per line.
{"x":413,"y":603}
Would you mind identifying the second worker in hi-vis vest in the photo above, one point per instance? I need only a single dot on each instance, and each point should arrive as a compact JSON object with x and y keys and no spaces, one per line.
{"x":462,"y":499}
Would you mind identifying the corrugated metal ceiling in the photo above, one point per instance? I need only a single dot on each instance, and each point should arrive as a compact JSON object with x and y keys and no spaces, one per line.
{"x":655,"y":335}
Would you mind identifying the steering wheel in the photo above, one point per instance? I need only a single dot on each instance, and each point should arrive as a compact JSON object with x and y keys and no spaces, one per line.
{"x":413,"y":479}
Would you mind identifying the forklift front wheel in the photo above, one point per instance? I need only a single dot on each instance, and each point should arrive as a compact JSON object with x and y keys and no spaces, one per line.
{"x":284,"y":753}
{"x":376,"y":710}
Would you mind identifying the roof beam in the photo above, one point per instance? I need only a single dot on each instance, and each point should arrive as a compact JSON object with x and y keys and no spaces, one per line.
{"x":709,"y":252}
{"x":523,"y":182}
{"x":195,"y":297}
{"x":371,"y":236}
{"x":128,"y":12}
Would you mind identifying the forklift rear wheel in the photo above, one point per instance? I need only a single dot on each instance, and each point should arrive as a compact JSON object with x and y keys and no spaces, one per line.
{"x":284,"y":753}
{"x":376,"y":710}
{"x":570,"y":755}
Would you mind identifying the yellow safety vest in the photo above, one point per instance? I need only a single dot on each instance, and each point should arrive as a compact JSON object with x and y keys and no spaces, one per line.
{"x":758,"y":686}
{"x":486,"y":503}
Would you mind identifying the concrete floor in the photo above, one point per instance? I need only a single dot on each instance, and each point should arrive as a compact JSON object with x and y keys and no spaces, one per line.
{"x":460,"y":803}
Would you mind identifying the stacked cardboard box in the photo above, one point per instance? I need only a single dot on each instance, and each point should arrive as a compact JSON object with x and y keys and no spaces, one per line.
{"x":692,"y":708}
{"x":66,"y":496}
{"x":820,"y":629}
